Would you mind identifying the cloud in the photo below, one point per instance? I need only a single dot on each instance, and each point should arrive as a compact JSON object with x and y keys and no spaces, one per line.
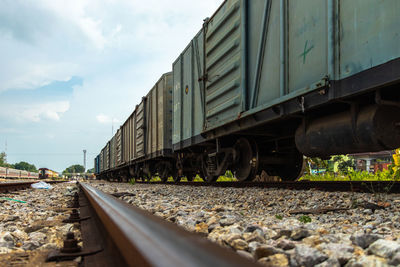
{"x":51,"y":111}
{"x":117,"y":48}
{"x":104,"y":119}
{"x":34,"y":75}
{"x":45,"y":111}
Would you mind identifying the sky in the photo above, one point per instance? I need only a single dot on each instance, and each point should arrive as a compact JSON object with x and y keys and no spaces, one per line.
{"x":71,"y":71}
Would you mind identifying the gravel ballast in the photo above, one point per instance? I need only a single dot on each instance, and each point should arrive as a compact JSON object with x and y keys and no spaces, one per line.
{"x":31,"y":220}
{"x":259,"y":225}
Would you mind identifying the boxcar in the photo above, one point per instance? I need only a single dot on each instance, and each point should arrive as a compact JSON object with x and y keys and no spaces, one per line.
{"x":102,"y":169}
{"x":159,"y":118}
{"x":277,"y":79}
{"x":150,"y":135}
{"x":118,"y":148}
{"x":129,"y":139}
{"x":143,"y":144}
{"x":107,"y":156}
{"x":113,"y":152}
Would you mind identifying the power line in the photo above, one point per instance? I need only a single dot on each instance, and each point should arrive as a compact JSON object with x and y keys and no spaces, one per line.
{"x":84,"y":159}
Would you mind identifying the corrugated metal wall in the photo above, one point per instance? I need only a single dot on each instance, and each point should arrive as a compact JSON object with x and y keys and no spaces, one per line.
{"x":290,"y":49}
{"x":140,"y":129}
{"x":224,"y":64}
{"x":188,"y":92}
{"x":159,"y":115}
{"x":119,"y":156}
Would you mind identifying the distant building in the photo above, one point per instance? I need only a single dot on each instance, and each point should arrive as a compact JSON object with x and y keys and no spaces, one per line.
{"x":373,"y":161}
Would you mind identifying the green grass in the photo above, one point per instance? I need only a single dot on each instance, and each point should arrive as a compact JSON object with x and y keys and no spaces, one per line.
{"x":304,"y":219}
{"x":385,"y":175}
{"x":226,"y":179}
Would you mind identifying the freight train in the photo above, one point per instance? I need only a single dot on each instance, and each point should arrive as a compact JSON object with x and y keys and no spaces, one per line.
{"x":8,"y":173}
{"x":262,"y":84}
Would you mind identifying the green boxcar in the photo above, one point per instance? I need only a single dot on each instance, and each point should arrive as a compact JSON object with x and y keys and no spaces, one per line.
{"x":262,"y":53}
{"x":188,"y":95}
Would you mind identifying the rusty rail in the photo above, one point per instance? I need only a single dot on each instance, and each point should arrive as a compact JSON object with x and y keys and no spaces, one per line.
{"x":14,"y":186}
{"x":340,"y":186}
{"x":133,"y":237}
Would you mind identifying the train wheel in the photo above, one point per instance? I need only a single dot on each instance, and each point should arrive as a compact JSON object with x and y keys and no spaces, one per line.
{"x":246,"y":166}
{"x":163,"y":169}
{"x":207,"y":176}
{"x":293,"y":169}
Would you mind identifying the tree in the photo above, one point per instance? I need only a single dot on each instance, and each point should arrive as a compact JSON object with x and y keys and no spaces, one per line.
{"x":25,"y":166}
{"x":74,"y":169}
{"x":3,"y":161}
{"x":3,"y":158}
{"x":90,"y":170}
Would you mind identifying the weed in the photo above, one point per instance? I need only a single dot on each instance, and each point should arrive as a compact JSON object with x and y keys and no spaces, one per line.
{"x":226,"y":179}
{"x":132,"y":181}
{"x":384,"y":175}
{"x":279,"y":217}
{"x":155,"y":179}
{"x":304,"y":219}
{"x":198,"y":179}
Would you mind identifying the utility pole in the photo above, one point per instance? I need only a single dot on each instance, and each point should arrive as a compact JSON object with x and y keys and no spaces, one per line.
{"x":84,"y":159}
{"x":112,"y":127}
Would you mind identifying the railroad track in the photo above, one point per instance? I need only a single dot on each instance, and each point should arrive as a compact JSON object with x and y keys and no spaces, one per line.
{"x":115,"y":233}
{"x":14,"y":186}
{"x":342,"y":186}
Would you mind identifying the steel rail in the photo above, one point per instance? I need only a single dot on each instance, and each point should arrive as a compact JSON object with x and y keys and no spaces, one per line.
{"x":14,"y":186}
{"x":340,"y":186}
{"x":146,"y":240}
